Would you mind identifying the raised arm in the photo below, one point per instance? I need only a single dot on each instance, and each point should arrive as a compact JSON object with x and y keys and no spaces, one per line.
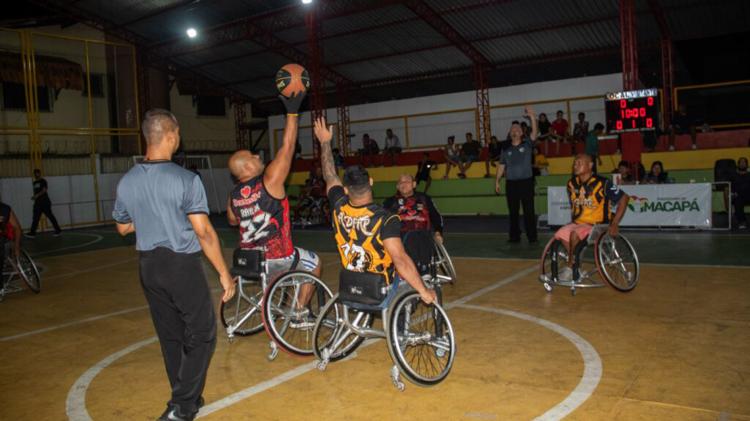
{"x":534,"y":125}
{"x":324,"y":135}
{"x":278,"y":170}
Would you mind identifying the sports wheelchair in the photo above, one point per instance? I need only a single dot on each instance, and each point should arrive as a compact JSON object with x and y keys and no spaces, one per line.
{"x":14,"y":270}
{"x":598,"y":257}
{"x":431,"y":258}
{"x":275,"y":305}
{"x":419,"y":337}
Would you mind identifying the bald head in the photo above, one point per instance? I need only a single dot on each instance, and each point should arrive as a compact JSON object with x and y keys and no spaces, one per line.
{"x":406,"y":185}
{"x":244,"y":165}
{"x":157,"y":124}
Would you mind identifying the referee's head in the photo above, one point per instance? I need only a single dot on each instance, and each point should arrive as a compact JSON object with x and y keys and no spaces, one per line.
{"x":161,"y":130}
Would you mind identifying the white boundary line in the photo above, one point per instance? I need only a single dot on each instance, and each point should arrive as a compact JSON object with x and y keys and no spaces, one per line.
{"x":76,"y":402}
{"x":97,"y":238}
{"x":592,"y":364}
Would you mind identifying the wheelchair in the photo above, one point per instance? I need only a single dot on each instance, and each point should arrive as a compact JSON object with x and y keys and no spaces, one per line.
{"x":419,"y":337}
{"x":312,"y":210}
{"x":274,"y":306}
{"x":431,"y":258}
{"x":598,"y":257}
{"x":16,"y":270}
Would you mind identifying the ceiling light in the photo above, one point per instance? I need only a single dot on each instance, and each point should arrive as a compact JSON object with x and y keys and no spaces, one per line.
{"x":306,"y":1}
{"x":192,"y":33}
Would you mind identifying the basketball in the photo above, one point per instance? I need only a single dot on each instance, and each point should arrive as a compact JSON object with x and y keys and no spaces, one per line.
{"x":291,"y":79}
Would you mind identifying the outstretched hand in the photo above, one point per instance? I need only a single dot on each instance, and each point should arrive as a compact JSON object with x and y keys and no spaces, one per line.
{"x":323,"y":133}
{"x":293,"y":102}
{"x":529,"y":112}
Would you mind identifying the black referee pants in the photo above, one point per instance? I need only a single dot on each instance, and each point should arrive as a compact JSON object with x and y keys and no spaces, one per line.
{"x":521,"y":193}
{"x":43,"y":206}
{"x":180,"y":302}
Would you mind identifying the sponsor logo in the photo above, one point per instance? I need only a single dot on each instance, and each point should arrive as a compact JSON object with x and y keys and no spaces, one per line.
{"x":245,"y":192}
{"x":665,"y":204}
{"x":248,"y":200}
{"x":360,"y":223}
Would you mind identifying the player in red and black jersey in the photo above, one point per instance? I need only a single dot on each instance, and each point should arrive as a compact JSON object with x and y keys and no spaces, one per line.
{"x":416,"y":210}
{"x":259,"y":205}
{"x":10,"y":232}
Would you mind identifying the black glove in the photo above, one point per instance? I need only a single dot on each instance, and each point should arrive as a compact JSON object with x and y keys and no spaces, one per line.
{"x":293,"y":102}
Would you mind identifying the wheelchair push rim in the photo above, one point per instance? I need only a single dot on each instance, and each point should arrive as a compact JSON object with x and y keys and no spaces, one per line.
{"x":446,"y":264}
{"x":29,"y":272}
{"x":248,"y":298}
{"x":288,"y":323}
{"x":618,"y":262}
{"x":420,"y":340}
{"x":329,"y":327}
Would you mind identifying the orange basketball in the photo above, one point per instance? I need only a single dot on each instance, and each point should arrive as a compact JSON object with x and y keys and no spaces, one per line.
{"x":292,"y":78}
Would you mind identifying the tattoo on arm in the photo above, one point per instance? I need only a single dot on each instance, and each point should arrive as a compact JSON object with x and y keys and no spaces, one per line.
{"x":327,"y":165}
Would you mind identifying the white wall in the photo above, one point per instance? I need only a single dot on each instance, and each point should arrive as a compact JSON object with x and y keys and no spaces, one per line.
{"x":202,"y":132}
{"x":433,"y":130}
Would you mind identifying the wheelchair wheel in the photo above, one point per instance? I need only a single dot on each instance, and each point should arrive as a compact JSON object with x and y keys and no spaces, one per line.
{"x":445,"y":264}
{"x":290,"y":307}
{"x":546,"y":265}
{"x":420,"y":339}
{"x":29,"y":272}
{"x":617,"y":262}
{"x":329,"y":327}
{"x":246,"y":300}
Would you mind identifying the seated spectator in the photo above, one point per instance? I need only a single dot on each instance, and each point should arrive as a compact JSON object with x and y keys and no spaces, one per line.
{"x":560,"y":127}
{"x":657,"y":175}
{"x":525,"y":129}
{"x":423,"y":171}
{"x":369,"y":149}
{"x":541,"y":164}
{"x":452,"y":158}
{"x":592,"y":145}
{"x":470,"y":151}
{"x":392,"y":146}
{"x":494,"y":149}
{"x":581,"y":128}
{"x":623,"y":170}
{"x":741,"y":192}
{"x":338,"y":159}
{"x":682,"y":123}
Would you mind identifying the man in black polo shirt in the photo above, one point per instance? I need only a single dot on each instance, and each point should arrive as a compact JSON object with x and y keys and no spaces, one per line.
{"x":42,"y":205}
{"x":516,"y":165}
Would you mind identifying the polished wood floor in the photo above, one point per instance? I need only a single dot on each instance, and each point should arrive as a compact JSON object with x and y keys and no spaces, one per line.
{"x":678,"y":347}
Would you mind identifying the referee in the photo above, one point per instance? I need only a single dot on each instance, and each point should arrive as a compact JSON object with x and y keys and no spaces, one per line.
{"x":516,"y":164}
{"x":165,"y":205}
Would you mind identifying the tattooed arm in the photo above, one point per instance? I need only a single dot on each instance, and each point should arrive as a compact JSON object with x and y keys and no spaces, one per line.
{"x":324,"y":135}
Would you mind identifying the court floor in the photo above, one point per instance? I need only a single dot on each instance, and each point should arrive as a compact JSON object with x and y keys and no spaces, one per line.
{"x":676,"y":347}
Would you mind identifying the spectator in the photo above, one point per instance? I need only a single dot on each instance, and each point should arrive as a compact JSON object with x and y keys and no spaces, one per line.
{"x":369,"y":149}
{"x":494,"y":149}
{"x":541,"y":164}
{"x":682,"y":123}
{"x":338,"y":160}
{"x":452,"y":158}
{"x":657,"y":174}
{"x":625,"y":175}
{"x":392,"y":146}
{"x":560,"y":127}
{"x":592,"y":144}
{"x":42,"y":205}
{"x":10,"y":235}
{"x":526,"y":129}
{"x":581,"y":129}
{"x":423,"y":171}
{"x":741,"y":192}
{"x":519,"y":185}
{"x":545,"y":127}
{"x":470,"y":151}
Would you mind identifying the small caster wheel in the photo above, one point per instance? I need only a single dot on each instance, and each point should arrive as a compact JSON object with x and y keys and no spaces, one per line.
{"x":322,"y":365}
{"x":573,"y":292}
{"x":548,"y":287}
{"x":274,"y":351}
{"x":230,"y":339}
{"x":396,"y":379}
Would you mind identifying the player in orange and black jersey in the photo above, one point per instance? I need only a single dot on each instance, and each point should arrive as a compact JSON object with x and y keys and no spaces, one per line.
{"x":592,"y":198}
{"x":367,"y":235}
{"x":10,"y":232}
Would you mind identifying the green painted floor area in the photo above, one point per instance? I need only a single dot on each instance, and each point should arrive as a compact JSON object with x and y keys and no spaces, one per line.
{"x":685,"y":248}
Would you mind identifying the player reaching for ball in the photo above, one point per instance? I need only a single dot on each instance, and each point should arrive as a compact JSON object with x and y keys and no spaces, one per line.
{"x":259,"y":205}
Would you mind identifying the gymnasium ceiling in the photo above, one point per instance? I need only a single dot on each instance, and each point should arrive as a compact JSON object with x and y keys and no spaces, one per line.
{"x":385,"y":49}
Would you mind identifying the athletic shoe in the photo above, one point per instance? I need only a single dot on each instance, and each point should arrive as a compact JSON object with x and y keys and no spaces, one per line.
{"x":566,"y":274}
{"x":302,"y":319}
{"x":694,"y":146}
{"x":671,"y":148}
{"x":29,"y":235}
{"x":742,"y":225}
{"x":173,"y":414}
{"x":57,"y":234}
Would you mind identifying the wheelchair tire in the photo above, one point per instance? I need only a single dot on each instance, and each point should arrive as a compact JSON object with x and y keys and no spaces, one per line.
{"x":446,"y":264}
{"x":292,"y":329}
{"x":29,"y":272}
{"x":546,"y":264}
{"x":617,"y":262}
{"x":329,"y":323}
{"x":420,"y":339}
{"x":237,"y":307}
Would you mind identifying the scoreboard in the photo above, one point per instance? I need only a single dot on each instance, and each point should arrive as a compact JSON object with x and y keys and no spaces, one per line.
{"x":632,"y":111}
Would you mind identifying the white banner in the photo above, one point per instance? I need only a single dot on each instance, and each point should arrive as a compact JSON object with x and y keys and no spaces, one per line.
{"x":664,"y":205}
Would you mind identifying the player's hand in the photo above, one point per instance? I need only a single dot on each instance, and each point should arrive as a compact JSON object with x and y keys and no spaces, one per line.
{"x":228,"y":283}
{"x":323,"y":133}
{"x":614,"y":230}
{"x":529,"y":112}
{"x":497,"y":186}
{"x":293,"y":102}
{"x":428,"y":296}
{"x":438,"y":238}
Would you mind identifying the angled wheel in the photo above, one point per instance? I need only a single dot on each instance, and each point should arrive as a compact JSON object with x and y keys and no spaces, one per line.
{"x":618,"y":262}
{"x":445,"y":264}
{"x":29,"y":272}
{"x":545,"y":269}
{"x":291,"y":305}
{"x":244,"y":308}
{"x":332,"y":340}
{"x":420,"y":339}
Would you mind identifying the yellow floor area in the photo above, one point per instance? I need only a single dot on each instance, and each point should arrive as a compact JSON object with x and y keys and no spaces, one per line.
{"x":675,"y":348}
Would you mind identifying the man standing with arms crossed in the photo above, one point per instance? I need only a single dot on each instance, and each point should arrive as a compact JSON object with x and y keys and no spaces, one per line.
{"x":165,"y":206}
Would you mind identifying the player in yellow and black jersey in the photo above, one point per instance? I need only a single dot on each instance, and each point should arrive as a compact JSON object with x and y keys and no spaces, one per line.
{"x":592,"y":199}
{"x":368,"y":236}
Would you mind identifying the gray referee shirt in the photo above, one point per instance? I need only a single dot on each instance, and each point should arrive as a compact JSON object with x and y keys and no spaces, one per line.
{"x":517,"y":160}
{"x":157,"y":197}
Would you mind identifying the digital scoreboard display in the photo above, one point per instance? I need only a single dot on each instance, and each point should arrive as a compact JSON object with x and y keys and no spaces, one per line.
{"x":632,"y":111}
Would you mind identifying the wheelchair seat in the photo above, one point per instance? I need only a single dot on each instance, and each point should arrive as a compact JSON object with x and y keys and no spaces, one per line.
{"x":248,"y":264}
{"x":393,"y":288}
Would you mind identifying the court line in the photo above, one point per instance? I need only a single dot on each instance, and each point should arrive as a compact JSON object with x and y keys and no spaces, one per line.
{"x":97,"y":239}
{"x":592,"y":364}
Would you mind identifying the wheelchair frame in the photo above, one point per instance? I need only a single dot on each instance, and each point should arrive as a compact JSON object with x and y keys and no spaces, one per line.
{"x":584,"y":276}
{"x":12,"y":269}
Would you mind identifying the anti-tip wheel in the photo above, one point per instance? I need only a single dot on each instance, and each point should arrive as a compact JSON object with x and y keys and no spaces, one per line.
{"x":548,"y":287}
